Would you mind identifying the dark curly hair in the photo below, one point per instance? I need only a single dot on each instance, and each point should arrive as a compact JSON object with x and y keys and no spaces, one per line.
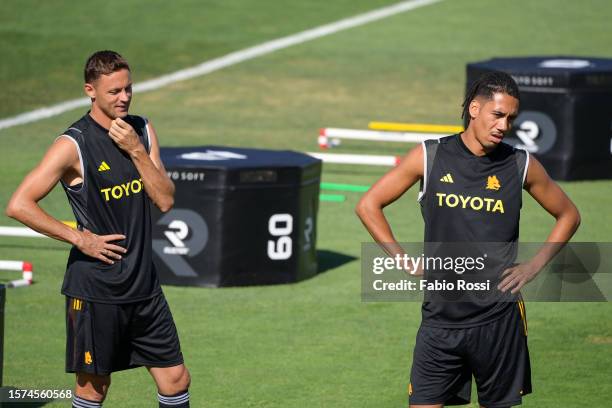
{"x":487,"y":85}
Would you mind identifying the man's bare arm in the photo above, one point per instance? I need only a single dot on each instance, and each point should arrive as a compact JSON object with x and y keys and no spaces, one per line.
{"x":157,"y":184}
{"x":23,"y":206}
{"x":550,"y":196}
{"x":385,"y":191}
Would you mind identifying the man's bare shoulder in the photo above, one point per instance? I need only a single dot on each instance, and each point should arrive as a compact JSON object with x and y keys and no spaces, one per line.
{"x":62,"y":154}
{"x":412,"y":162}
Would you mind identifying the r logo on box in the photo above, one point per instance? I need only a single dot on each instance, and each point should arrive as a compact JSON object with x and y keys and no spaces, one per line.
{"x":535,"y":132}
{"x":187,"y":234}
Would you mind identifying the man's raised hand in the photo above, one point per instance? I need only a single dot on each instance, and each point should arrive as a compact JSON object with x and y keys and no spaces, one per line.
{"x":125,"y":136}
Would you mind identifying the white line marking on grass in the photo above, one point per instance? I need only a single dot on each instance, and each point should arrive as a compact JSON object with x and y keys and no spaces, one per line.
{"x":228,"y":60}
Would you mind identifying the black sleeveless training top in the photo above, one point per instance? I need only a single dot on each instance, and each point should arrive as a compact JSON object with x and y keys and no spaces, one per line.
{"x":475,"y":201}
{"x":110,"y":200}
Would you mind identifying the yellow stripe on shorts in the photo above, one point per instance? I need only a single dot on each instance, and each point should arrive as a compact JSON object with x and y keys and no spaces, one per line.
{"x":521,"y":306}
{"x":77,"y":304}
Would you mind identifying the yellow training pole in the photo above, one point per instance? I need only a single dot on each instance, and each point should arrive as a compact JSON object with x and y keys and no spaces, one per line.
{"x":415,"y":127}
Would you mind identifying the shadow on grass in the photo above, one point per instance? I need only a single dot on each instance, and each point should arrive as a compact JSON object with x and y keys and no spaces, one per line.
{"x":329,"y":260}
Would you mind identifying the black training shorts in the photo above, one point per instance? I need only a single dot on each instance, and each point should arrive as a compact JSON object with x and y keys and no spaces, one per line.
{"x":103,"y":338}
{"x":495,"y":354}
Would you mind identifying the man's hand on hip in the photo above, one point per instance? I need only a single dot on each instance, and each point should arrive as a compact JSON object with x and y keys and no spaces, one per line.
{"x":99,"y":246}
{"x":516,"y":277}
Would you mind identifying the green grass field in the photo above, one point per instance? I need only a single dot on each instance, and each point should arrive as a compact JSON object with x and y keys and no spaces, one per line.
{"x":312,"y":344}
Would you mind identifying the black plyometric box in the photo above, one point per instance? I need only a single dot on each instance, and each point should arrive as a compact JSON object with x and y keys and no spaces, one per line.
{"x":565,"y":116}
{"x":241,"y":217}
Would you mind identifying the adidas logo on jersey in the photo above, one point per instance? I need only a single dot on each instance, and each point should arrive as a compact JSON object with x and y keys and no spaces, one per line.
{"x":103,"y":166}
{"x":447,"y":179}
